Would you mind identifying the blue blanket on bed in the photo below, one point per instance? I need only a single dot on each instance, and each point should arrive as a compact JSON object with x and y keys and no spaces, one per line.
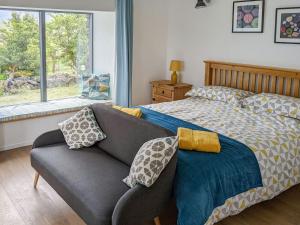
{"x":205,"y":181}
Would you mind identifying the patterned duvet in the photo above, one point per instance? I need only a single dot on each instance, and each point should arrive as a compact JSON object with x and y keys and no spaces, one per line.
{"x":275,"y":141}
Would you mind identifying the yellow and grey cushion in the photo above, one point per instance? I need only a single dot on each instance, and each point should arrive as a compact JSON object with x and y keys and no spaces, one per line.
{"x":275,"y":104}
{"x":151,"y":160}
{"x":220,"y":93}
{"x":81,"y":130}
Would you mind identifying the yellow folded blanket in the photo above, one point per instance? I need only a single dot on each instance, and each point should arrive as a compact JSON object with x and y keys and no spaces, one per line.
{"x":134,"y":112}
{"x":198,"y":140}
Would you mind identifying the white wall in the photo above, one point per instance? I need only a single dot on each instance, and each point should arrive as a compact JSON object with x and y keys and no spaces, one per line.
{"x":23,"y":133}
{"x":198,"y":34}
{"x":149,"y":50}
{"x":94,"y":5}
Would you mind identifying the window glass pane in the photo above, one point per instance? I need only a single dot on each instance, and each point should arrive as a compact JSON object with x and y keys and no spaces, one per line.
{"x":68,"y":53}
{"x":19,"y":57}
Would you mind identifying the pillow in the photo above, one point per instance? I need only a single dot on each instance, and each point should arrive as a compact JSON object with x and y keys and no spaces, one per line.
{"x":192,"y":93}
{"x":151,"y":160}
{"x":96,"y":87}
{"x":220,"y":93}
{"x":81,"y":130}
{"x":275,"y":104}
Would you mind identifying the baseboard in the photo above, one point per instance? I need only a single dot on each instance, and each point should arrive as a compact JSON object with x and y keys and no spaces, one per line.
{"x":14,"y":146}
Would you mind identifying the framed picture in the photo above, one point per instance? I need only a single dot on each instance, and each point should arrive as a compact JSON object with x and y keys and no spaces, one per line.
{"x":287,"y":24}
{"x":248,"y":16}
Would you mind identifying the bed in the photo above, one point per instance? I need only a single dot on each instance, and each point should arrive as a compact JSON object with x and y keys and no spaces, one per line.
{"x":274,"y":140}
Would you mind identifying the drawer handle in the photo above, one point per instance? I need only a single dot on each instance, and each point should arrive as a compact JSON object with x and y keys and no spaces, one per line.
{"x":153,"y":99}
{"x":163,"y":92}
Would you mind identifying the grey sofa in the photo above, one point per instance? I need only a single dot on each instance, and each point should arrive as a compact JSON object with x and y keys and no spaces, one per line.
{"x":90,"y":179}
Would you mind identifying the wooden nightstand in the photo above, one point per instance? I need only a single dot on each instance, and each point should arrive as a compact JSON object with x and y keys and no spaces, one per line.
{"x":165,"y":91}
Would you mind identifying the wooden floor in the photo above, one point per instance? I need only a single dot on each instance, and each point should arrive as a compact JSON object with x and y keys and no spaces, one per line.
{"x":21,"y":204}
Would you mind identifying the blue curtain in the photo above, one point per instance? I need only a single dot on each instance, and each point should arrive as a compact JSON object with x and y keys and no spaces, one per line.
{"x":124,"y":39}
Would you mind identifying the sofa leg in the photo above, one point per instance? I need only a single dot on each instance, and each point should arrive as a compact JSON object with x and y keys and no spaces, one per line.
{"x":36,"y":179}
{"x":157,"y":221}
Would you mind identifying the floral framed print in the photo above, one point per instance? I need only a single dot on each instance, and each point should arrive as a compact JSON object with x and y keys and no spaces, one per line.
{"x":287,"y":24}
{"x":248,"y":16}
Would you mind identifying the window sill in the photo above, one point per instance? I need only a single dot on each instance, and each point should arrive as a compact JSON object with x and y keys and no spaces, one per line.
{"x":41,"y":109}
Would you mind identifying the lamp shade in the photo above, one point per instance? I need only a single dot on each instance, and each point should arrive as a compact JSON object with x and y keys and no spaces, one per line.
{"x":176,"y":65}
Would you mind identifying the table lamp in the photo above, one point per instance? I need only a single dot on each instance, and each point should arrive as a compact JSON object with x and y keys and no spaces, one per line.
{"x":175,"y":66}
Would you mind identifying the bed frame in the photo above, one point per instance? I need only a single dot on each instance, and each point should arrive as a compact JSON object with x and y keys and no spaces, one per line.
{"x":253,"y":78}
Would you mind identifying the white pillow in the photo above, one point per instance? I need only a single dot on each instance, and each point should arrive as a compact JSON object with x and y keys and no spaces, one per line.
{"x":151,"y":160}
{"x":219,"y":93}
{"x":82,"y":129}
{"x":274,"y":104}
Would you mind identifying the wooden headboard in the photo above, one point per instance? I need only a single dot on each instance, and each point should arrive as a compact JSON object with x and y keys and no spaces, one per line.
{"x":253,"y":78}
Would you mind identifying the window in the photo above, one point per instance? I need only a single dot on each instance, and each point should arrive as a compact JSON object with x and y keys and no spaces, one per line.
{"x":43,"y":54}
{"x":19,"y":57}
{"x":68,"y":53}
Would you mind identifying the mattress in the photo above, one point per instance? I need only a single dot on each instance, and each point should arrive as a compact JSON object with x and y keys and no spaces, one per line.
{"x":275,"y":141}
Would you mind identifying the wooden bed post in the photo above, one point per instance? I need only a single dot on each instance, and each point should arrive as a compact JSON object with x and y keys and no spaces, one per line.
{"x":157,"y":221}
{"x":36,"y":179}
{"x":208,"y":75}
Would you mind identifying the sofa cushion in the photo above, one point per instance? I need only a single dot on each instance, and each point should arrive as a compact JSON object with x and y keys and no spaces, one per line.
{"x":89,"y":180}
{"x":125,"y":133}
{"x":151,"y":160}
{"x":81,"y":130}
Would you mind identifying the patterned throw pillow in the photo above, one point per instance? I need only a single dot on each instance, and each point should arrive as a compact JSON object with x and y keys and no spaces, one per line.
{"x":151,"y":160}
{"x":193,"y":93}
{"x":275,"y":104}
{"x":82,"y":130}
{"x":96,"y":86}
{"x":220,"y":93}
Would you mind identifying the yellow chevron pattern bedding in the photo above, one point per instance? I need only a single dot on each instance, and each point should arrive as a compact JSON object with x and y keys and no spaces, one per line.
{"x":275,"y":140}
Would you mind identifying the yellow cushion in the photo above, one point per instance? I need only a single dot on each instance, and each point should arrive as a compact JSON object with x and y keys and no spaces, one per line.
{"x":134,"y":112}
{"x":198,"y":140}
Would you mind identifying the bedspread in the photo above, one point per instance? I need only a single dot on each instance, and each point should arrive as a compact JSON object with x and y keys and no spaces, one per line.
{"x":275,"y":141}
{"x":205,"y":181}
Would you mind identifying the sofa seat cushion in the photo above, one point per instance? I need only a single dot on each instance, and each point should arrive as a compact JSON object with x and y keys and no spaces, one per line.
{"x":89,"y":180}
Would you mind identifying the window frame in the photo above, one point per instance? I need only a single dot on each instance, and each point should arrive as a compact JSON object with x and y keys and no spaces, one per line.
{"x":42,"y":41}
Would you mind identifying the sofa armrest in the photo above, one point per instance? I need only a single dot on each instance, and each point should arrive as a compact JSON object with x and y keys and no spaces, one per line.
{"x":141,"y":204}
{"x":49,"y":138}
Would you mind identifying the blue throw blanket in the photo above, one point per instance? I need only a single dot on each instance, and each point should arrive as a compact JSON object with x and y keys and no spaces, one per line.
{"x":204,"y":181}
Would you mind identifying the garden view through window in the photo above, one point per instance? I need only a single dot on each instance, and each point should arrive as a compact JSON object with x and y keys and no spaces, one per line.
{"x":68,"y":54}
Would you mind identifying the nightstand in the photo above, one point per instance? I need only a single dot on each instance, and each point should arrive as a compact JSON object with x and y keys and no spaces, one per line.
{"x":165,"y":91}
